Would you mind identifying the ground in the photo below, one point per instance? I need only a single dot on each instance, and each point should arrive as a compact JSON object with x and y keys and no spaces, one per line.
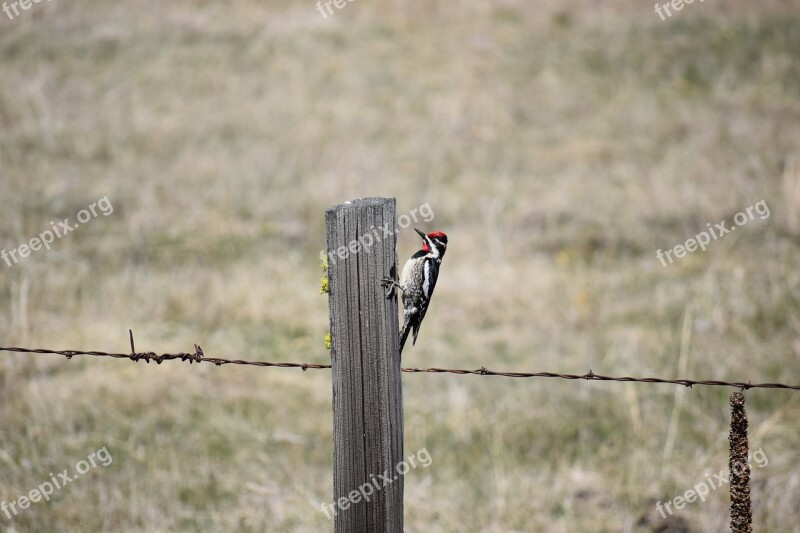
{"x":559,"y":147}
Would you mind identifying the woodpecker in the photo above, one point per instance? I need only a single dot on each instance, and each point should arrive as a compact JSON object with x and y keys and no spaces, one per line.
{"x":418,"y":280}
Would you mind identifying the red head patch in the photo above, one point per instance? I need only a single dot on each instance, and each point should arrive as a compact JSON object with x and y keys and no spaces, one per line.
{"x":436,"y":236}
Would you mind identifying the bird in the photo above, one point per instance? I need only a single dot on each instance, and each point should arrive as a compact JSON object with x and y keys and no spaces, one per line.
{"x":417,"y":281}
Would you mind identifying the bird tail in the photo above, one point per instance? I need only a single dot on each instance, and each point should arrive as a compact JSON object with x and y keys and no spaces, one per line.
{"x":404,"y":334}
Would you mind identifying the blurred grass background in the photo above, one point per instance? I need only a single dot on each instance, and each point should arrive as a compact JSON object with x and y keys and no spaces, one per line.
{"x":559,"y":146}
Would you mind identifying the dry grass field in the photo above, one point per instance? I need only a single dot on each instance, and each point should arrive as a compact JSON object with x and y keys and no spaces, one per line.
{"x":559,"y":144}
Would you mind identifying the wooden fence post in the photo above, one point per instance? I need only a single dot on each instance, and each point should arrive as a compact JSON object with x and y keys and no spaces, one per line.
{"x":367,"y":391}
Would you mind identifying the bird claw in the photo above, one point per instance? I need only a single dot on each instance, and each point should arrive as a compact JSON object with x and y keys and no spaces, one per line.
{"x":389,"y":285}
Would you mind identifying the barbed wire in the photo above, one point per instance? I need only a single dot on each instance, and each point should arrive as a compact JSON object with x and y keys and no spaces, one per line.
{"x":199,"y":357}
{"x":591,"y":376}
{"x":196,"y":357}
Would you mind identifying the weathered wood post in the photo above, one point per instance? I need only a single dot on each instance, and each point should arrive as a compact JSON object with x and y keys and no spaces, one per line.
{"x":367,"y":392}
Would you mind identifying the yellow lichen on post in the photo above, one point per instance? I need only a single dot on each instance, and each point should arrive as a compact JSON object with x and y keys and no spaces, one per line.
{"x":323,"y":281}
{"x":324,"y":288}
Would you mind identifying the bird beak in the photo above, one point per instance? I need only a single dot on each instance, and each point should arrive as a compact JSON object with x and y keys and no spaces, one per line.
{"x":421,"y":234}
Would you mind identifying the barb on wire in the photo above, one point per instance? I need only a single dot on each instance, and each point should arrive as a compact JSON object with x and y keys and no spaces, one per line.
{"x":199,"y":357}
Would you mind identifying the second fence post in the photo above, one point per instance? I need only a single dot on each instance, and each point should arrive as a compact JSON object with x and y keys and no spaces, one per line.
{"x":367,"y":391}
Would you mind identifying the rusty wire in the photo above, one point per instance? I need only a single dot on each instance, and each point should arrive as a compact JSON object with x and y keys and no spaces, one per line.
{"x":199,"y":357}
{"x":591,"y":376}
{"x":196,"y":357}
